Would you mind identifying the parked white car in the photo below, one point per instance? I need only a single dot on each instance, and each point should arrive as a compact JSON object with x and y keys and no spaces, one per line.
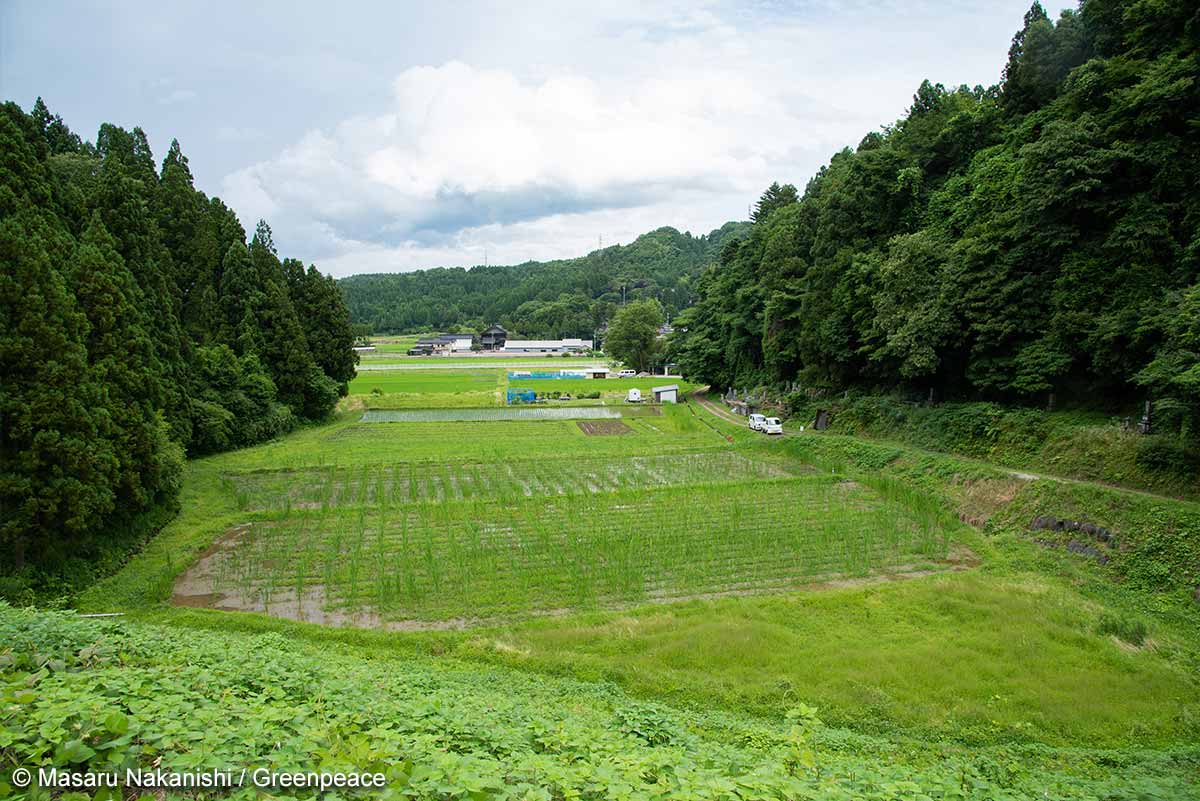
{"x":756,"y":421}
{"x":626,"y":373}
{"x":772,"y":425}
{"x":634,"y":396}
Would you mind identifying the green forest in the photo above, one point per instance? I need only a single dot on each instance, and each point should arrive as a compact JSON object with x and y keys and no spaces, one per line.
{"x":1033,"y":242}
{"x":568,"y":298}
{"x":137,"y":327}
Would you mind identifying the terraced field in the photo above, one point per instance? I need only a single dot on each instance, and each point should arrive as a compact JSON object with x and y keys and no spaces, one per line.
{"x":485,"y":557}
{"x":409,"y":482}
{"x":506,"y":413}
{"x":481,"y":384}
{"x":446,"y":513}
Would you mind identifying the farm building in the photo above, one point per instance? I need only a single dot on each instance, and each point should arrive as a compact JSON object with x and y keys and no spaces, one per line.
{"x":443,"y":343}
{"x":364,"y":348}
{"x":493,"y":337}
{"x":597,"y":372}
{"x":546,"y":345}
{"x":666,"y":394}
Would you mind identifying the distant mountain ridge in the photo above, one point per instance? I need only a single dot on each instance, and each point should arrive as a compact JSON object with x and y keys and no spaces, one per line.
{"x":561,"y":298}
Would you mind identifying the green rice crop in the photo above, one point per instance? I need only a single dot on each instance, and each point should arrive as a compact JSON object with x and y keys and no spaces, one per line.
{"x":430,"y":383}
{"x":321,"y":488}
{"x":507,"y":413}
{"x":515,"y":556}
{"x":351,"y":442}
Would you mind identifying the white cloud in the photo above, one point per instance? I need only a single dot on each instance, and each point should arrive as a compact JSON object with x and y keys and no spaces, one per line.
{"x":645,"y":117}
{"x":468,"y":148}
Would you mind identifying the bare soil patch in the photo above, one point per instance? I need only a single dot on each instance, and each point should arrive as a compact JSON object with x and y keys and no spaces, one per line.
{"x":979,"y":500}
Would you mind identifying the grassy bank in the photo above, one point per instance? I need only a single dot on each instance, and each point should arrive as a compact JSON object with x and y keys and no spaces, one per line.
{"x":1088,"y":446}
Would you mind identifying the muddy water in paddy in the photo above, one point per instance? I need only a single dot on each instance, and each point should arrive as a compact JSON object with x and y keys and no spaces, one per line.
{"x":202,"y":587}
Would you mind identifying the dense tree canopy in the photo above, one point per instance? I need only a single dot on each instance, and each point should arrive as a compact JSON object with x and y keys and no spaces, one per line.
{"x":633,"y":335}
{"x":570,"y":298}
{"x":136,"y":325}
{"x":1040,"y":237}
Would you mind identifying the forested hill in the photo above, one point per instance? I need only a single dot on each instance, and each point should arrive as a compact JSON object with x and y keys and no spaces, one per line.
{"x":570,"y":297}
{"x":1037,"y":237}
{"x":136,"y":325}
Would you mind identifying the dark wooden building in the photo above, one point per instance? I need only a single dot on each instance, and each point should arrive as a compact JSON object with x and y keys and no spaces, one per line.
{"x":493,"y":337}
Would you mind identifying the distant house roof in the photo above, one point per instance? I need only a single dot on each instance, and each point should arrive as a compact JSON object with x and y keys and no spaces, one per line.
{"x":442,"y":338}
{"x":667,"y":388}
{"x":546,"y":344}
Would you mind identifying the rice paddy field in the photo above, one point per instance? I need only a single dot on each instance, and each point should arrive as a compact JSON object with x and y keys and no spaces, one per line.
{"x":479,"y":383}
{"x":453,"y":510}
{"x":383,"y":484}
{"x":517,"y":554}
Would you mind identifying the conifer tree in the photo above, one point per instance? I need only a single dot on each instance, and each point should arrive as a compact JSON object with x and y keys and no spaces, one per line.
{"x":57,"y":467}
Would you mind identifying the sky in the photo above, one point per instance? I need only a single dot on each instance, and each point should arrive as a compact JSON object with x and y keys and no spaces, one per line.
{"x":393,"y":136}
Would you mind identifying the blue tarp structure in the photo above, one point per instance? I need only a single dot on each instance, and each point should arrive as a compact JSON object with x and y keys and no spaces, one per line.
{"x":521,"y":396}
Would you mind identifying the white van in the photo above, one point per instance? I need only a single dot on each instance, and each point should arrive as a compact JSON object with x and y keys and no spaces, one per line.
{"x":756,"y":421}
{"x":626,"y":373}
{"x":772,"y":425}
{"x":634,"y":396}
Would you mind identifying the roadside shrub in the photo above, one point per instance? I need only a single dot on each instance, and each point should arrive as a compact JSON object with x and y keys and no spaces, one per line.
{"x":1127,"y":629}
{"x":16,"y":591}
{"x":1167,"y":455}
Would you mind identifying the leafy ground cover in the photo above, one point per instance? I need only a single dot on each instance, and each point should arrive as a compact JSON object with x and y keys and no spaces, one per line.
{"x":90,"y":695}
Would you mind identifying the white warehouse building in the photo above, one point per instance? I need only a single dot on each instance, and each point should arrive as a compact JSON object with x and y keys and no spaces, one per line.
{"x":546,"y":345}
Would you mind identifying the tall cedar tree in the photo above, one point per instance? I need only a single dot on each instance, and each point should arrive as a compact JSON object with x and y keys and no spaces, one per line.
{"x":123,"y":298}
